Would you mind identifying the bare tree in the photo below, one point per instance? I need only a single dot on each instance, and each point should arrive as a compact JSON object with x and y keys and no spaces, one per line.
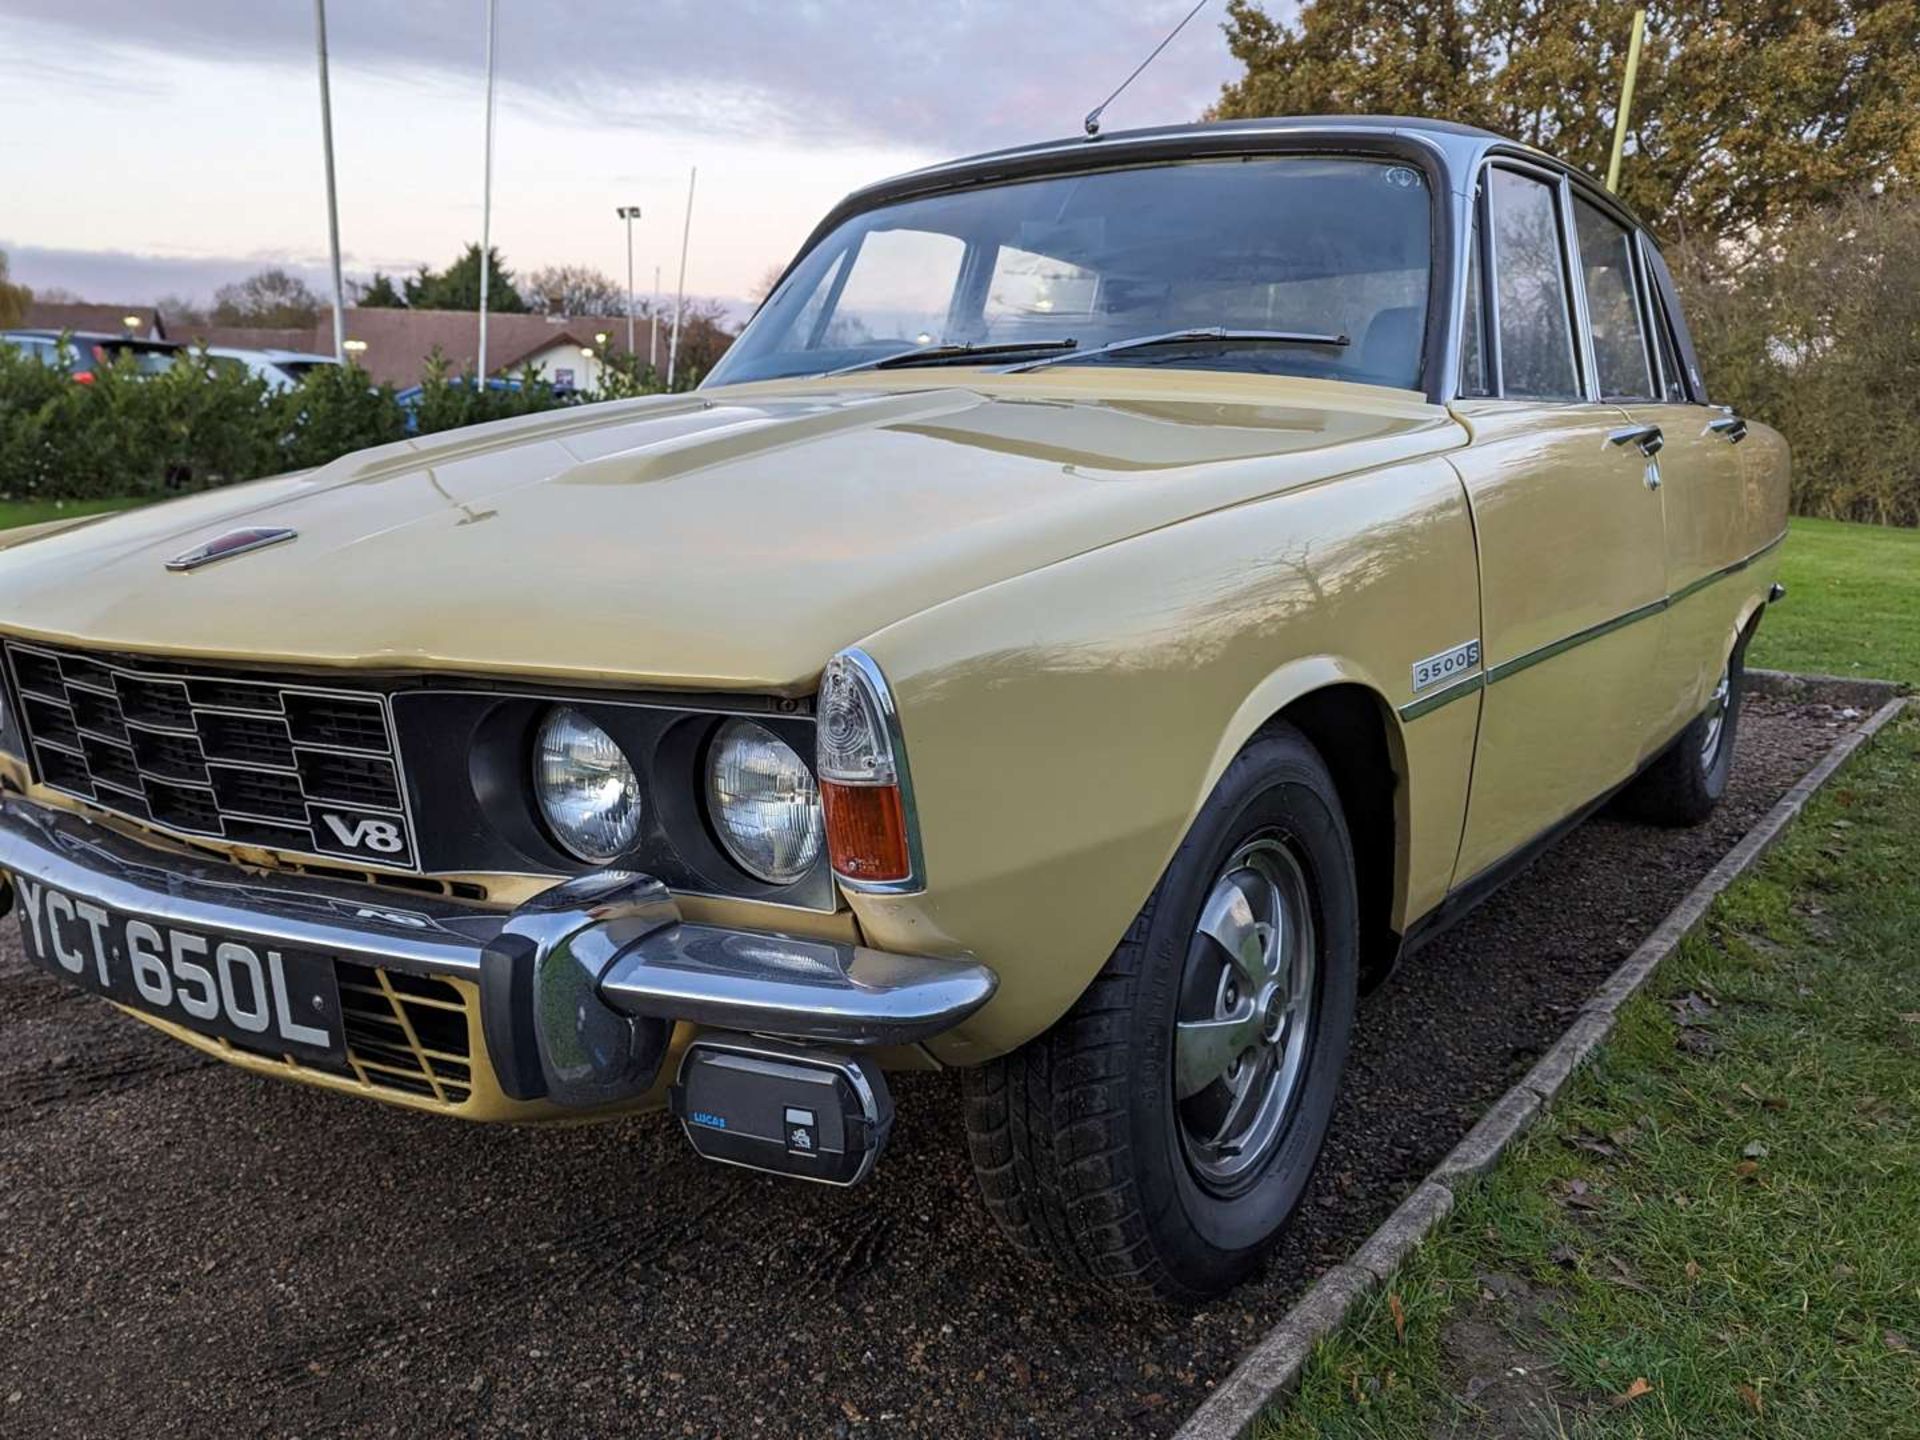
{"x":179,"y":310}
{"x":573,"y":290}
{"x":270,"y":299}
{"x":763,"y":287}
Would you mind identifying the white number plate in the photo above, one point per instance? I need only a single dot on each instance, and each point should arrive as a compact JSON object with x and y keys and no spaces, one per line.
{"x":278,"y":1002}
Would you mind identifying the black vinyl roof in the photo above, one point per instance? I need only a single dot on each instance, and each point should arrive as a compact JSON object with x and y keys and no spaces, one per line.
{"x":1456,"y":149}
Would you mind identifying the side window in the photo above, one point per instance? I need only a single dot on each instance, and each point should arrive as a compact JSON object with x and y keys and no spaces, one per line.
{"x":1693,"y":386}
{"x":1613,"y":306}
{"x":1530,"y":282}
{"x":1476,"y":376}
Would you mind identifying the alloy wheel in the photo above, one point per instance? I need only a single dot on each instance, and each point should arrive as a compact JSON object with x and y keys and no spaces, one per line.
{"x":1244,"y":1025}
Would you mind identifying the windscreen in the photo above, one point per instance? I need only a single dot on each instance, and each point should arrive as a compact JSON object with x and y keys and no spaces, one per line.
{"x":1320,"y":245}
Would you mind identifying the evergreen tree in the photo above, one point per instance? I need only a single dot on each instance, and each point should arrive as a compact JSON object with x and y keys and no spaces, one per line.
{"x":458,"y":286}
{"x":380,"y":293}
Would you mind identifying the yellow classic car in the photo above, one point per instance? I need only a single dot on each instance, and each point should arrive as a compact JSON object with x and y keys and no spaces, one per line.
{"x":1114,"y":598}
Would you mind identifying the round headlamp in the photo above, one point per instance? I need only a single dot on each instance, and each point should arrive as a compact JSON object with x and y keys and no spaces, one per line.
{"x":763,"y":802}
{"x":586,"y":788}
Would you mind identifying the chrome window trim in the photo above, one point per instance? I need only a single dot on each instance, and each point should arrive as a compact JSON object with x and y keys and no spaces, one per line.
{"x":1576,"y":270}
{"x":915,"y":882}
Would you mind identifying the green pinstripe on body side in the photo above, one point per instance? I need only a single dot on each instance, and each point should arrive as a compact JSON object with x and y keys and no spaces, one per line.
{"x":1473,"y":684}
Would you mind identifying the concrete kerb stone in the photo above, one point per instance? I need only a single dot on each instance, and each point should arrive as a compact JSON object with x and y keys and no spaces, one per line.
{"x":1397,"y":1236}
{"x":1274,"y":1364}
{"x":1505,"y":1121}
{"x":1558,"y":1065}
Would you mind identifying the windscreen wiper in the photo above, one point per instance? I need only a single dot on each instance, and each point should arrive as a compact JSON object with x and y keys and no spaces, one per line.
{"x":935,"y":354}
{"x":1200,"y":335}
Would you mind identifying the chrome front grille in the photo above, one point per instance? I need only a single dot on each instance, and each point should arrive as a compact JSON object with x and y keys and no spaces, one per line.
{"x":296,"y":768}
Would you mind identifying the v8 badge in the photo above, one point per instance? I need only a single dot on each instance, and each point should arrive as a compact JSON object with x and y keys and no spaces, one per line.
{"x":360,"y":834}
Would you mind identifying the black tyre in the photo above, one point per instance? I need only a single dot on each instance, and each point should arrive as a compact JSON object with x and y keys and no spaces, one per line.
{"x":1685,"y":783}
{"x":1158,"y":1137}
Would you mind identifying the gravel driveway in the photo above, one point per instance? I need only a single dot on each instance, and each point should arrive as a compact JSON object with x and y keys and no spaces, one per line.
{"x":188,"y":1250}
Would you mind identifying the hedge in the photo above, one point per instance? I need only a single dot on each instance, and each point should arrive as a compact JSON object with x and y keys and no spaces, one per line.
{"x":199,"y":425}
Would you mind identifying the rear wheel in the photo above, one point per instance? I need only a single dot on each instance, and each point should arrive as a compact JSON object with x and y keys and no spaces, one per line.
{"x":1159,"y":1136}
{"x":1685,"y":784}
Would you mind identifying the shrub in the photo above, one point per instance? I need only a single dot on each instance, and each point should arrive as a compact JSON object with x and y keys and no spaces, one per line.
{"x":45,"y":433}
{"x":449,"y":401}
{"x":333,"y":412}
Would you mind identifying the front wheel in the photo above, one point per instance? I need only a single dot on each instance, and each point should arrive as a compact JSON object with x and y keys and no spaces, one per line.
{"x":1159,"y":1136}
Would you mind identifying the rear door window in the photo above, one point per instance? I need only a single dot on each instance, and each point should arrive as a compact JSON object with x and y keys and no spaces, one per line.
{"x":1530,"y":287}
{"x":1674,"y":318}
{"x":1614,"y":315}
{"x":1673,"y":380}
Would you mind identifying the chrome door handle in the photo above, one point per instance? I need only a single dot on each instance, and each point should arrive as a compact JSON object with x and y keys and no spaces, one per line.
{"x":1730,"y":428}
{"x":1647,"y":437}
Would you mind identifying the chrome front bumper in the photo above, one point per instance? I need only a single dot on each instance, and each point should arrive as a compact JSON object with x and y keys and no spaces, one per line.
{"x":579,"y":987}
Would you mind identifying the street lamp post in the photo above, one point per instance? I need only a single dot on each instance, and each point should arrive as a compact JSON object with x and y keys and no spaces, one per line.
{"x":629,"y":213}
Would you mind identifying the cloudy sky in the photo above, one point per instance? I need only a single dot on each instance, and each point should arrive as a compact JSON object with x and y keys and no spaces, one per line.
{"x":169,"y":147}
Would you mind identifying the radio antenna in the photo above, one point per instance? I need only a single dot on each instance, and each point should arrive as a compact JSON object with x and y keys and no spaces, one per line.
{"x":1093,"y":116}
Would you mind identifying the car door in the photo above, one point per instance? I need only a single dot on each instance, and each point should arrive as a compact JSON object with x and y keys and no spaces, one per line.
{"x":1707,"y":494}
{"x":1571,"y":535}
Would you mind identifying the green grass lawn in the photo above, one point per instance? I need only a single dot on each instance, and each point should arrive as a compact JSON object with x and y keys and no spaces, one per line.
{"x":1717,"y":1230}
{"x":1721,"y":1219}
{"x":34,"y":512}
{"x":1852,"y":606}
